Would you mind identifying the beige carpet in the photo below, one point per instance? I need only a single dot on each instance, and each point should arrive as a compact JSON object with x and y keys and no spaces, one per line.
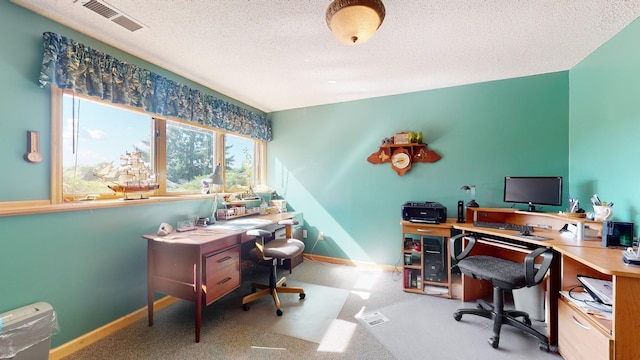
{"x":307,"y":319}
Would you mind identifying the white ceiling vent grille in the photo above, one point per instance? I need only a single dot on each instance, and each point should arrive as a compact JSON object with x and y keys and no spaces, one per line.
{"x":127,"y":23}
{"x":103,"y":9}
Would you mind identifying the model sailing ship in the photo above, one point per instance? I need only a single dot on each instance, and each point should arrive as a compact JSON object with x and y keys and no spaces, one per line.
{"x":132,"y":176}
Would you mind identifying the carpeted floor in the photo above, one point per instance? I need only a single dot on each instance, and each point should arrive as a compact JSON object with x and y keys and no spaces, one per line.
{"x":420,"y":326}
{"x":322,"y":305}
{"x":426,"y":325}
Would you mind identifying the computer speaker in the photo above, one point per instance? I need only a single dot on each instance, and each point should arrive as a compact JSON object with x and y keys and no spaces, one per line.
{"x":460,"y":211}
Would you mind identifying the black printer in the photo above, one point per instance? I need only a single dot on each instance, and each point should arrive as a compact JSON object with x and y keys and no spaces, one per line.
{"x":428,"y":212}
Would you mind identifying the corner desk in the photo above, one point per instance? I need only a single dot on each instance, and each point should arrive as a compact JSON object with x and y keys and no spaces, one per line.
{"x":578,"y":334}
{"x":201,"y":265}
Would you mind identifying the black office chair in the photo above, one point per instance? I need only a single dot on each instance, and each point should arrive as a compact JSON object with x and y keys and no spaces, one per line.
{"x":503,"y":275}
{"x":273,"y":251}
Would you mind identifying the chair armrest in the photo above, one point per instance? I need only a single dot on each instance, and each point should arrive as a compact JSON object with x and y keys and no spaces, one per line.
{"x":531,"y":276}
{"x":467,"y":249}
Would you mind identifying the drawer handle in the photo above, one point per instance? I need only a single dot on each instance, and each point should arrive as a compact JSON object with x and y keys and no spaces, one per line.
{"x":425,"y":230}
{"x":579,"y":323}
{"x":224,"y":259}
{"x":224,"y":280}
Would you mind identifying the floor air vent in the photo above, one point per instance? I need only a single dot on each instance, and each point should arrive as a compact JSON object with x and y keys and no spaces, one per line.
{"x":103,"y":9}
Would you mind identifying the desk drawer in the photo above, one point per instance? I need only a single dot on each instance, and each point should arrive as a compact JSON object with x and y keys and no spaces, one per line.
{"x":578,"y":337}
{"x":222,"y":274}
{"x":427,"y":229}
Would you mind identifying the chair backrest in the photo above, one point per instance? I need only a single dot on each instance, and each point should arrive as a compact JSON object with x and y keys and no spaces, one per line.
{"x":288,"y":223}
{"x":260,"y":235}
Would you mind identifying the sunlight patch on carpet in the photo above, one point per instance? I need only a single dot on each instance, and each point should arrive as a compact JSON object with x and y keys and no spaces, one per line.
{"x":337,"y":337}
{"x":322,"y":304}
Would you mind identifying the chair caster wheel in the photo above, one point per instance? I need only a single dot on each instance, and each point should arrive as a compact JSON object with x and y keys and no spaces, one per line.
{"x":279,"y":312}
{"x":493,"y":341}
{"x":246,"y":307}
{"x":302,"y":296}
{"x":457,"y":316}
{"x":544,"y":347}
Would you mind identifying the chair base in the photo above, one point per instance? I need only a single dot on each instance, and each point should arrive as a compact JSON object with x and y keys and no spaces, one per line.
{"x":500,"y":316}
{"x":272,"y":289}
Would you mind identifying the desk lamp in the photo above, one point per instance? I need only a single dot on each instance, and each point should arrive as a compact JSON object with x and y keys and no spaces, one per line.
{"x":473,"y":202}
{"x":214,"y":179}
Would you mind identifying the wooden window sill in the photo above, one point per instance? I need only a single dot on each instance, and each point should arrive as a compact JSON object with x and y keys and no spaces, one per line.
{"x":45,"y":206}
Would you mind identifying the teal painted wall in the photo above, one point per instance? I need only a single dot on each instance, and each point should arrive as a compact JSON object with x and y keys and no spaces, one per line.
{"x":605,"y":125}
{"x":318,"y":157}
{"x":89,"y":265}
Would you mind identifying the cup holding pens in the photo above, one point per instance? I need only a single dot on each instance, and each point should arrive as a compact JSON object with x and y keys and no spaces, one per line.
{"x":602,"y":213}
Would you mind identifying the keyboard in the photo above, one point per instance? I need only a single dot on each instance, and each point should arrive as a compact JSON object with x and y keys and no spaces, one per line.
{"x":503,"y":226}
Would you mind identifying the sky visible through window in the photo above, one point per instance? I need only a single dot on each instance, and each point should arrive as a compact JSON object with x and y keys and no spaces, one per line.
{"x":105,"y":132}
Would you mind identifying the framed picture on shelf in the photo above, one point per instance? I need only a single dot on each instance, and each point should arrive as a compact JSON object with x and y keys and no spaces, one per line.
{"x":401,"y":138}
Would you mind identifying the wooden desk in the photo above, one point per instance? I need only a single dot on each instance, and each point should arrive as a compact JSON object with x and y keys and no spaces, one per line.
{"x":584,"y":335}
{"x":201,"y":265}
{"x":578,"y":333}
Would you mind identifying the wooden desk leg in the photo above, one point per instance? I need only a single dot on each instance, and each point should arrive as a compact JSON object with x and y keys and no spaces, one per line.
{"x":149,"y":283}
{"x":197,"y":269}
{"x":553,"y":292}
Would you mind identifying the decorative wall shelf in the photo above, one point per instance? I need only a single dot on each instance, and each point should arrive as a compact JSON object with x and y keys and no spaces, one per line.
{"x":402,"y":156}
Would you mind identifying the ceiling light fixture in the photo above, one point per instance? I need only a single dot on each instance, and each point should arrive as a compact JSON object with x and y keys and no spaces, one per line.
{"x":354,"y":22}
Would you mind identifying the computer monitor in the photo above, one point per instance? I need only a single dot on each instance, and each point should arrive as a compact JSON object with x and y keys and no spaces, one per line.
{"x":533,"y":190}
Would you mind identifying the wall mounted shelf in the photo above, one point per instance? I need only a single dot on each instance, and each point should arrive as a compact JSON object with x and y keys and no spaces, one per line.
{"x":402,"y":156}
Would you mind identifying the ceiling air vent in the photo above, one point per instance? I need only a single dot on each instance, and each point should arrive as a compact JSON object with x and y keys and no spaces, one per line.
{"x":100,"y":9}
{"x":103,"y":9}
{"x":127,"y":23}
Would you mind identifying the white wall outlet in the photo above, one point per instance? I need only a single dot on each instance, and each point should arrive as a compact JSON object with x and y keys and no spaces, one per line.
{"x":304,"y":234}
{"x":320,"y":235}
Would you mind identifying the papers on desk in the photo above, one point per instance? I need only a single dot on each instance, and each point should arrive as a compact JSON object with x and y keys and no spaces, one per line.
{"x":585,"y":302}
{"x":174,"y":239}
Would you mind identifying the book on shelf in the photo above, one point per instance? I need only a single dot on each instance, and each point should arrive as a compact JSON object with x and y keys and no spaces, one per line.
{"x":406,"y":278}
{"x":411,"y":277}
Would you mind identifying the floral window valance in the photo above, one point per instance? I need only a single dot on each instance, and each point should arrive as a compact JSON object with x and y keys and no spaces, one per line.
{"x":68,"y":64}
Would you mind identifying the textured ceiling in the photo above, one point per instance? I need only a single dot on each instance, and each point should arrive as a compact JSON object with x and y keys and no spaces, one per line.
{"x":279,"y":54}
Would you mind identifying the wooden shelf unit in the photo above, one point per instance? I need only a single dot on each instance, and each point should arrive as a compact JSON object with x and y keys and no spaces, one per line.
{"x":426,"y":263}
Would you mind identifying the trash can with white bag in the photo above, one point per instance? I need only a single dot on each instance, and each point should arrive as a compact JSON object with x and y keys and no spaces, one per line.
{"x":25,"y":332}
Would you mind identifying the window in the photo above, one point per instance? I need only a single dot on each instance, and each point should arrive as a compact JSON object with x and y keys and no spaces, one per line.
{"x":239,"y":154}
{"x":190,"y":156}
{"x":94,"y":136}
{"x":176,"y":155}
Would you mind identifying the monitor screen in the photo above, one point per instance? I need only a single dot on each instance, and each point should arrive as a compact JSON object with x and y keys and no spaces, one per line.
{"x":540,"y":190}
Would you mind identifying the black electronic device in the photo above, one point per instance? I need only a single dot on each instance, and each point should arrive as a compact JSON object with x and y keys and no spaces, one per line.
{"x":533,"y":190}
{"x":428,"y":212}
{"x":460,"y":211}
{"x":435,"y":260}
{"x":617,"y":234}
